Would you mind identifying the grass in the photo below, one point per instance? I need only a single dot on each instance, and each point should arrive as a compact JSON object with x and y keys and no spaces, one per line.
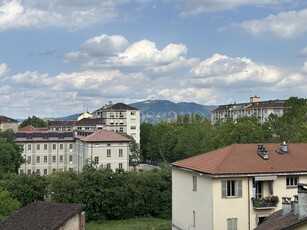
{"x":130,"y":224}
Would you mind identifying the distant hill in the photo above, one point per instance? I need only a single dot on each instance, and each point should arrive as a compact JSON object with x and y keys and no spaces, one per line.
{"x":155,"y":111}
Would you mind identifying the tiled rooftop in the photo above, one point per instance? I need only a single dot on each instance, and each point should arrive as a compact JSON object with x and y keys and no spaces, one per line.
{"x":104,"y":136}
{"x":243,"y":159}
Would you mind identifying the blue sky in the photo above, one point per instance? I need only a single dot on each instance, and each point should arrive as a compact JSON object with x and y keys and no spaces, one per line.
{"x":62,"y":56}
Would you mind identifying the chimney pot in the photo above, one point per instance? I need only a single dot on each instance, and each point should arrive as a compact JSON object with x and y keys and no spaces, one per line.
{"x":286,"y":205}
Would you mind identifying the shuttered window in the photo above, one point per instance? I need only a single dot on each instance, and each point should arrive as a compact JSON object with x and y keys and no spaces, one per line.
{"x":231,"y":188}
{"x":232,"y":224}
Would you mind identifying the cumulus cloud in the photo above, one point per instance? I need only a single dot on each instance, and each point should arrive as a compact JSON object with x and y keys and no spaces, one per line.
{"x":200,"y":6}
{"x":58,"y":13}
{"x":221,"y":70}
{"x":3,"y":69}
{"x":285,"y":24}
{"x":304,"y":52}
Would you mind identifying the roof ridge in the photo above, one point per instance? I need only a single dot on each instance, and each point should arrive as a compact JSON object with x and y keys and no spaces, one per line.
{"x":230,"y":147}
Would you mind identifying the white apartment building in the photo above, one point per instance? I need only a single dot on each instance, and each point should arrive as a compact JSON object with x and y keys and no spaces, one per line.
{"x":46,"y":152}
{"x":105,"y":148}
{"x":235,"y":187}
{"x":121,"y":118}
{"x":49,"y":151}
{"x":257,"y":108}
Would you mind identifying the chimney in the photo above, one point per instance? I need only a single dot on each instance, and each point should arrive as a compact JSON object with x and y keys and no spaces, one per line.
{"x":295,"y":204}
{"x":283,"y":148}
{"x":302,"y":201}
{"x":286,"y":205}
{"x":262,"y":152}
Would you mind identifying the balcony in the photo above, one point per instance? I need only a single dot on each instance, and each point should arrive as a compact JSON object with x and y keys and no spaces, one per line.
{"x":269,"y":202}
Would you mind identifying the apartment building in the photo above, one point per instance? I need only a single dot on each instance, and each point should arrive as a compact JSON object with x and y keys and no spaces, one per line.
{"x":49,"y":151}
{"x":255,"y":107}
{"x":235,"y":187}
{"x":8,"y":123}
{"x":104,"y":148}
{"x":120,"y":118}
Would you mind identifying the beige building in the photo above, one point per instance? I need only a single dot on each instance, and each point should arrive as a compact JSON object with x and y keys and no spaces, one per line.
{"x":257,"y":108}
{"x":235,"y":187}
{"x":121,"y":118}
{"x":48,"y":151}
{"x":8,"y":123}
{"x":105,"y":148}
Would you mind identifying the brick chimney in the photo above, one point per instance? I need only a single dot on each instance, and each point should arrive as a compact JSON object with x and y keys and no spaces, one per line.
{"x":286,"y":205}
{"x":302,"y":200}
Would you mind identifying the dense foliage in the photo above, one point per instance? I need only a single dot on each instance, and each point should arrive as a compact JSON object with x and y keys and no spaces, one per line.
{"x":34,"y":121}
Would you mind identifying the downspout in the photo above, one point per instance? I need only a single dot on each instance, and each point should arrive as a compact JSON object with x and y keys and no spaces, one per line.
{"x":249,"y":205}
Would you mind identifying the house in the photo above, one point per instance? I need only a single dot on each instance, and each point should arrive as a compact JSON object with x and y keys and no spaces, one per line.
{"x":8,"y":123}
{"x":120,"y":118}
{"x":47,"y":151}
{"x":50,"y":151}
{"x":235,"y":187}
{"x":293,"y":215}
{"x":48,"y":216}
{"x":61,"y":125}
{"x":86,"y":126}
{"x":255,"y":107}
{"x":105,"y":148}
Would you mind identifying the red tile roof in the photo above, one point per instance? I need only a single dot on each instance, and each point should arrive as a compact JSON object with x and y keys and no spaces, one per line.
{"x":244,"y":159}
{"x":31,"y":128}
{"x":104,"y":136}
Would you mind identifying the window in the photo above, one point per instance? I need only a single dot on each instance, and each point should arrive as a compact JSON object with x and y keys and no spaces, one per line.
{"x":38,"y":171}
{"x":45,"y":159}
{"x":29,"y":171}
{"x":45,"y":146}
{"x":194,"y":224}
{"x":133,"y":127}
{"x":108,"y":166}
{"x":133,"y":113}
{"x":61,"y":146}
{"x":292,"y":181}
{"x":45,"y":171}
{"x":258,"y":188}
{"x":29,"y":147}
{"x":61,"y":158}
{"x":38,"y":146}
{"x":194,"y":183}
{"x":120,"y":165}
{"x":54,"y":146}
{"x":231,"y":188}
{"x":37,"y":159}
{"x":53,"y":158}
{"x":70,"y":158}
{"x":29,"y":160}
{"x":120,"y":153}
{"x":96,"y":161}
{"x":70,"y":146}
{"x":232,"y":224}
{"x":108,"y":152}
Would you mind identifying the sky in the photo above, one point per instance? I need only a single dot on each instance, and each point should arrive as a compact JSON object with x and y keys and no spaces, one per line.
{"x":62,"y":57}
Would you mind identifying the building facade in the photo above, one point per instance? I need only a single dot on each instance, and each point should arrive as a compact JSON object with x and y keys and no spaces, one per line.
{"x":48,"y":151}
{"x":121,"y":118}
{"x":235,"y":187}
{"x":260,"y":109}
{"x":8,"y":123}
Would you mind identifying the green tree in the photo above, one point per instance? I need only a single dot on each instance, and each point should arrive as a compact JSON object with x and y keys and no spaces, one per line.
{"x":8,"y":205}
{"x":10,"y":152}
{"x":34,"y":121}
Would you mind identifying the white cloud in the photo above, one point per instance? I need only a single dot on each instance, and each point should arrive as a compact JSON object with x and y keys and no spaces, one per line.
{"x":304,"y":52}
{"x":191,"y":7}
{"x":3,"y":69}
{"x":304,"y":69}
{"x":220,"y":70}
{"x":57,"y":13}
{"x":285,"y":24}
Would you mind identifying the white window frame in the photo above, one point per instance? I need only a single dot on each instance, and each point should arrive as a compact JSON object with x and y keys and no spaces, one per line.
{"x":292,"y":181}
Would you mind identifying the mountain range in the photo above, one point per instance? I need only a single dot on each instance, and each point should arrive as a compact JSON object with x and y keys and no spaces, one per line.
{"x":155,"y":111}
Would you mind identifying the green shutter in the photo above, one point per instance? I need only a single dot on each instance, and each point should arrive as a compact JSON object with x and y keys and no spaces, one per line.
{"x":239,"y":188}
{"x":224,"y":189}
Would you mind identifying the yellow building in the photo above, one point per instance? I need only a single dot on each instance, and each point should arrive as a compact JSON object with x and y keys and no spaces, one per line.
{"x":235,"y":187}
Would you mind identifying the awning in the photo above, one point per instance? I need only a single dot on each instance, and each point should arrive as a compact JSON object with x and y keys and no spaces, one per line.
{"x":265,"y":178}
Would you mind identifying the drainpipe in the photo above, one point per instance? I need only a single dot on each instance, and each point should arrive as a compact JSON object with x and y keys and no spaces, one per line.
{"x":249,"y":205}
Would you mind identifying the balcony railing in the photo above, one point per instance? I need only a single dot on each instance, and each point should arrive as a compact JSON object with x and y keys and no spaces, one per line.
{"x":265,"y":202}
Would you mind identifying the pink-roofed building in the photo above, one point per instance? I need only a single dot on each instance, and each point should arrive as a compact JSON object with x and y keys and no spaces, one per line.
{"x":237,"y":186}
{"x":105,"y":148}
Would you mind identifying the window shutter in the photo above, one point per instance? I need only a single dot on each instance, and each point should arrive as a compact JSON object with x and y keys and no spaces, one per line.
{"x":239,"y":188}
{"x":229,"y":224}
{"x":224,"y":189}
